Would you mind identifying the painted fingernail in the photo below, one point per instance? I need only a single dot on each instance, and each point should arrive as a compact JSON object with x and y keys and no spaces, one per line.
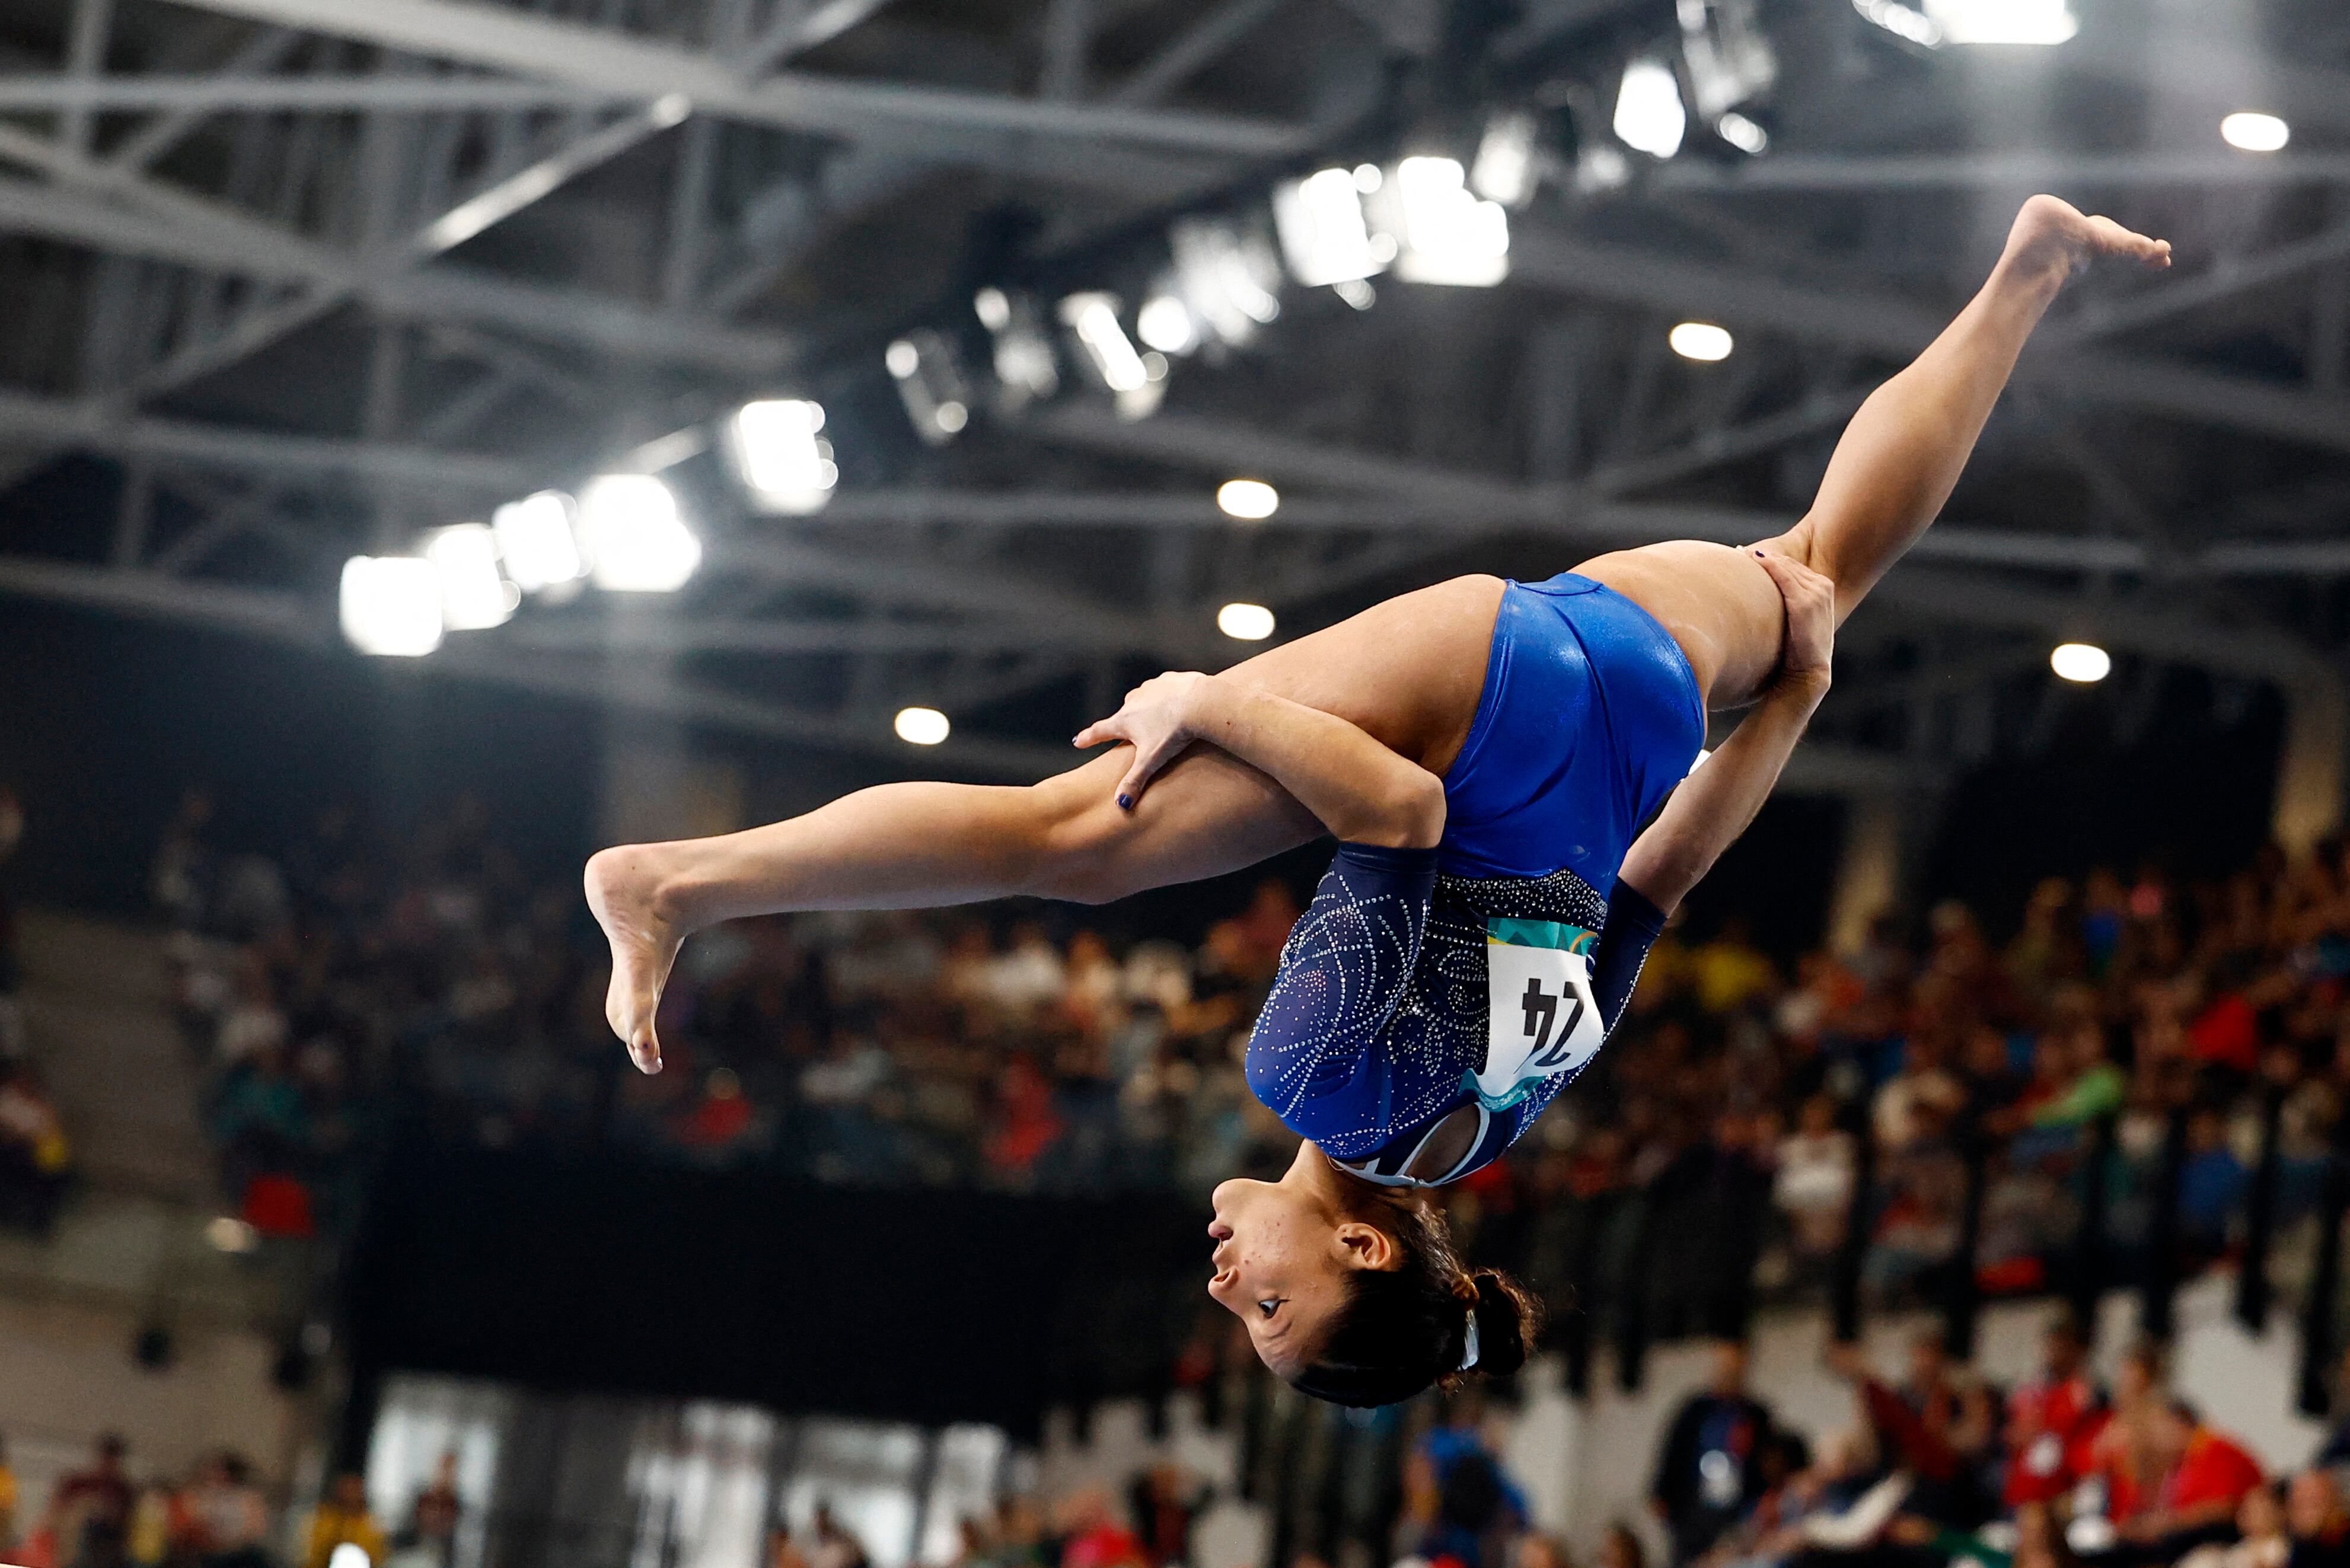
{"x":1126,"y":803}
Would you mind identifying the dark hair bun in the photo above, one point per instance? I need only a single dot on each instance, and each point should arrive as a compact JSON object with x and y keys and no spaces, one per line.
{"x":1507,"y":1318}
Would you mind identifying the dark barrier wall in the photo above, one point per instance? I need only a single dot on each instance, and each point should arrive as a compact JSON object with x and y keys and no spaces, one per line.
{"x":933,"y":1306}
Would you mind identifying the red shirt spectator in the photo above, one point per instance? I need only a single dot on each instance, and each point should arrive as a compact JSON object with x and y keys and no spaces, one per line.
{"x":2052,"y":1421}
{"x":2214,"y":1470}
{"x":2229,"y":1033}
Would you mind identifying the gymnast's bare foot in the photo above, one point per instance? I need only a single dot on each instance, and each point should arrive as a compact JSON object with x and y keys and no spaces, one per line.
{"x":625,"y":890}
{"x":2054,"y":239}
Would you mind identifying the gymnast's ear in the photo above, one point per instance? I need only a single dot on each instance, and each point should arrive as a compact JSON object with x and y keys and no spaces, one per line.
{"x":1366,"y":1246}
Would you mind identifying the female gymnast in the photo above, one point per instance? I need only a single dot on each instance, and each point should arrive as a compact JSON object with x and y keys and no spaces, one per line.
{"x":1486,"y":753}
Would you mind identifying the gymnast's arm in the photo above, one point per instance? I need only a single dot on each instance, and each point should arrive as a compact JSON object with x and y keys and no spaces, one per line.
{"x":1358,"y":789}
{"x":1719,"y":801}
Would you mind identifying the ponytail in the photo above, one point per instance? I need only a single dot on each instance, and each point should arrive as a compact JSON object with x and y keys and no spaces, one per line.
{"x":1429,"y":1321}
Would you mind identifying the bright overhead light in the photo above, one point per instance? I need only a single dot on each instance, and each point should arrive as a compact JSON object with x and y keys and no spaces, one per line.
{"x":1025,"y":369}
{"x":1251,"y":499}
{"x":2085,"y":662}
{"x":1648,"y":113}
{"x":1094,"y":318}
{"x":1226,"y":277}
{"x":1503,"y":169}
{"x":537,"y":542}
{"x":1742,"y":133}
{"x":1165,"y":324}
{"x":2043,"y":22}
{"x":921,"y":726}
{"x":636,"y":539}
{"x":390,"y":605}
{"x":2253,"y":132}
{"x":931,"y":383}
{"x":1323,"y":233}
{"x":1729,"y":55}
{"x":1449,"y":235}
{"x":1244,"y":623}
{"x":1700,"y":340}
{"x":1903,"y":22}
{"x":475,"y":593}
{"x":786,"y":465}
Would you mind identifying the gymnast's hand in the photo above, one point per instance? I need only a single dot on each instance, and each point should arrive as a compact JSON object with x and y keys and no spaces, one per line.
{"x":1809,"y":651}
{"x":1160,"y":717}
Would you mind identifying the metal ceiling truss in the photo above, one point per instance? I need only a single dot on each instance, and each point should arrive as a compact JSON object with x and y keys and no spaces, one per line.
{"x":247,"y":209}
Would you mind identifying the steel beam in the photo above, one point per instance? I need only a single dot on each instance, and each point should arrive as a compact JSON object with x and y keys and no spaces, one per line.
{"x":800,"y":29}
{"x":150,"y":221}
{"x":1190,"y":53}
{"x":2022,"y":172}
{"x":2153,"y":623}
{"x":238,"y":93}
{"x":963,"y":124}
{"x":292,"y":620}
{"x":1896,"y":330}
{"x":56,"y":422}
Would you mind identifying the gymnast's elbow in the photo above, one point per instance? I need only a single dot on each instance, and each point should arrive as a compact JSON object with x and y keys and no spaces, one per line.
{"x":1405,"y":812}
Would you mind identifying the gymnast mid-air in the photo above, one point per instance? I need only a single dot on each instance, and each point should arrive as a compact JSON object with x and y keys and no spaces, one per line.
{"x":1486,"y":753}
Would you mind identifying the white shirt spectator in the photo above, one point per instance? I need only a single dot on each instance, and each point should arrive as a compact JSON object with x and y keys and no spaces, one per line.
{"x":1031,"y":975}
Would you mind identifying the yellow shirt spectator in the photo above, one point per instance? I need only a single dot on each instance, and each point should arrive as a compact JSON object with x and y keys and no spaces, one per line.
{"x":343,"y":1519}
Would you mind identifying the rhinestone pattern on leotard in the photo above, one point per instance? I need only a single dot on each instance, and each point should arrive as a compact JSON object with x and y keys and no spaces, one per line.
{"x":1376,"y":1015}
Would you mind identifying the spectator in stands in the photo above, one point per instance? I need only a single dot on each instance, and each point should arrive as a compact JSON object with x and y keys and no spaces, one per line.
{"x":343,"y":1519}
{"x":227,"y":1519}
{"x":2318,"y":1524}
{"x":89,"y":1512}
{"x":35,"y":1160}
{"x":2211,"y":1186}
{"x":2261,"y":1539}
{"x":9,"y":1503}
{"x":11,"y":1016}
{"x":1770,"y":1533}
{"x":1706,"y":1476}
{"x":1620,"y":1548}
{"x":1954,"y":1413}
{"x":1730,"y":972}
{"x":2203,"y":1482}
{"x":2080,"y":1083}
{"x":2053,"y":1420}
{"x":1094,"y":1536}
{"x":834,"y":1546}
{"x":431,"y":1538}
{"x":2128,"y":1455}
{"x":1460,"y":1506}
{"x":1165,"y":1498}
{"x":1814,"y":1178}
{"x":1017,"y":1536}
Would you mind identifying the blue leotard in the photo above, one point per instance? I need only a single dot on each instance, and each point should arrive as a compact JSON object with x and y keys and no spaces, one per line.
{"x":1483,"y":972}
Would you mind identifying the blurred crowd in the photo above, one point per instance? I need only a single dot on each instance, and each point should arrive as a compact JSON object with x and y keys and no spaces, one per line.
{"x":36,"y":1161}
{"x":101,"y":1515}
{"x":1941,"y":1467}
{"x":2136,"y":1025}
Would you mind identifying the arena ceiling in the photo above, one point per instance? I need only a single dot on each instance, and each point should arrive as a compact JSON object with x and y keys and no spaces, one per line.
{"x":310,"y":277}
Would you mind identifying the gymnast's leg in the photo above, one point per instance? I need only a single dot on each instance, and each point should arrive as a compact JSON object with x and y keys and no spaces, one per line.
{"x":1895,"y":467}
{"x":1410,"y":671}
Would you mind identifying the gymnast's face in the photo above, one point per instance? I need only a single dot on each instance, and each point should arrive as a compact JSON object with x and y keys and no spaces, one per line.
{"x":1284,"y":1251}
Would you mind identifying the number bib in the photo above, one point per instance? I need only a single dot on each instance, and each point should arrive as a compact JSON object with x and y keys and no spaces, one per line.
{"x":1542,"y":1021}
